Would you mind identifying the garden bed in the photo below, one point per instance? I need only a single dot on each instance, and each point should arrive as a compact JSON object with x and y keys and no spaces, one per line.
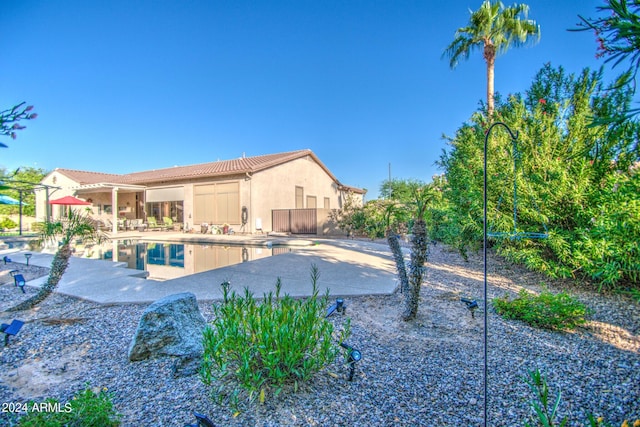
{"x":427,"y":372}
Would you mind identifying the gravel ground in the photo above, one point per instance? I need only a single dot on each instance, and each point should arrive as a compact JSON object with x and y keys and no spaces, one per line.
{"x":424,"y":373}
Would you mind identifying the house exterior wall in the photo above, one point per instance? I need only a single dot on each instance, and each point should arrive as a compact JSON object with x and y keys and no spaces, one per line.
{"x":292,"y":184}
{"x":275,"y":188}
{"x":55,"y":179}
{"x":269,"y":189}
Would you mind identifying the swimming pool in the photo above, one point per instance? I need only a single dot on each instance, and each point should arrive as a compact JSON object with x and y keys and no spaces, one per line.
{"x":163,"y":261}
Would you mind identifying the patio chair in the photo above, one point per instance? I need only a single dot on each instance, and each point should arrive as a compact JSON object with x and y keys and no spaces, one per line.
{"x":107,"y":225}
{"x":134,"y":225}
{"x":11,"y":329}
{"x":152,"y":224}
{"x":169,"y":224}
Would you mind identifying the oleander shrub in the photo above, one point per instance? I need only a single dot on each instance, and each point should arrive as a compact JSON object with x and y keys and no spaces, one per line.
{"x":87,"y":408}
{"x":576,"y":180}
{"x":253,"y":349}
{"x":546,"y":310}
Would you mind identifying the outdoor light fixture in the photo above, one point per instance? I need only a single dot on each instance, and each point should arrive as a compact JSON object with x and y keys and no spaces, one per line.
{"x":201,"y":421}
{"x":6,"y":259}
{"x":338,"y":306}
{"x":18,"y":279}
{"x":28,"y":256}
{"x":353,"y":357}
{"x":472,"y":305}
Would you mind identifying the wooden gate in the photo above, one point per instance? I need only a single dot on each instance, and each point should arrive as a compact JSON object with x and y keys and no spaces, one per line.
{"x":295,"y":221}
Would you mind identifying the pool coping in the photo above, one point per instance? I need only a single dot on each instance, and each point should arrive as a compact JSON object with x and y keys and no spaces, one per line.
{"x":347,"y":268}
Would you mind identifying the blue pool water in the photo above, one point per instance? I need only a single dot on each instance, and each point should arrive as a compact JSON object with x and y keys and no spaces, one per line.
{"x":166,"y":260}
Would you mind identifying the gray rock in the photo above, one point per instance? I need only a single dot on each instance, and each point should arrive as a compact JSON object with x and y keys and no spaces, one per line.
{"x":171,"y":326}
{"x":186,"y":366}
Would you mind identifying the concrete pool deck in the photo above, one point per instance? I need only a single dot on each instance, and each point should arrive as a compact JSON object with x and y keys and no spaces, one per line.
{"x":347,"y":268}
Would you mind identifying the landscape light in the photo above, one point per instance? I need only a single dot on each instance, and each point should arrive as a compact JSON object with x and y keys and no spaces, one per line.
{"x":353,"y":357}
{"x":201,"y":421}
{"x":28,"y":256}
{"x":338,"y":306}
{"x":472,"y":305}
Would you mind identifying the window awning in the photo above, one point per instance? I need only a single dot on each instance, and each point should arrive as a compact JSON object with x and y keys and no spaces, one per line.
{"x":170,"y":194}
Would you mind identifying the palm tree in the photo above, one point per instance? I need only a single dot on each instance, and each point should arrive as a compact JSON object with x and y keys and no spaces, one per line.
{"x":410,"y":282}
{"x":391,"y":210}
{"x":419,"y":251}
{"x":494,"y":28}
{"x":76,"y":225}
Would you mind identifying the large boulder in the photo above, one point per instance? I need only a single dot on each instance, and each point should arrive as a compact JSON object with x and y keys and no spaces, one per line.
{"x":171,"y":326}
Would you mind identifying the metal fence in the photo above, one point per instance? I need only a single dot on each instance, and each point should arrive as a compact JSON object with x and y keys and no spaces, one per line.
{"x":295,"y":221}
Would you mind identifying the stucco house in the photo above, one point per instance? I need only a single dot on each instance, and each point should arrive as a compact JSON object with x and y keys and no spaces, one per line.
{"x":285,"y":192}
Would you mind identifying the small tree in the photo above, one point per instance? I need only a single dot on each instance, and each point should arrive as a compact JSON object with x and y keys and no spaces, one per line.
{"x":419,"y":253}
{"x":408,"y":202}
{"x":10,"y":119}
{"x":22,"y":181}
{"x":77,"y":225}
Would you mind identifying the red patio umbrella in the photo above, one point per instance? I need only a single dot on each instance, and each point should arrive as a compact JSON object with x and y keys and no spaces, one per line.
{"x":70,"y":201}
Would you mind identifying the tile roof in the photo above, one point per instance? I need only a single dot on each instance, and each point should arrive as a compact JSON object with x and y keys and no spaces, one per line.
{"x":86,"y":177}
{"x":212,"y":169}
{"x":221,"y":168}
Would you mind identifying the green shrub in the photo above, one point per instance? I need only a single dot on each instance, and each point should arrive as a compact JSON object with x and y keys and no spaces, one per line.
{"x":545,"y":409}
{"x":86,"y":409}
{"x":256,"y":349}
{"x":579,"y":182}
{"x":547,"y":311}
{"x":7,"y":223}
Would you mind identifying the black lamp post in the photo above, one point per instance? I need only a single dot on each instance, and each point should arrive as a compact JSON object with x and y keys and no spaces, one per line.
{"x":514,"y":137}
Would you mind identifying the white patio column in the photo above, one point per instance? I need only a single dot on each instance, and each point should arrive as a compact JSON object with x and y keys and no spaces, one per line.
{"x":114,"y":209}
{"x":116,"y":252}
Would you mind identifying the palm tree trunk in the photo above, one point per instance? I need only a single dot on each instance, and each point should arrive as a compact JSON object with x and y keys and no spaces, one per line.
{"x":58,"y":267}
{"x":490,"y":59}
{"x":398,"y":257}
{"x":419,"y":253}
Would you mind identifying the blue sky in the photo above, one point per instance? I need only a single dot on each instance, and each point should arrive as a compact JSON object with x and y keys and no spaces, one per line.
{"x":129,"y":85}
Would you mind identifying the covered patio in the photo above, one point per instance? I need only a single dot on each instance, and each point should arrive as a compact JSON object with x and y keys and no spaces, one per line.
{"x":114,"y":204}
